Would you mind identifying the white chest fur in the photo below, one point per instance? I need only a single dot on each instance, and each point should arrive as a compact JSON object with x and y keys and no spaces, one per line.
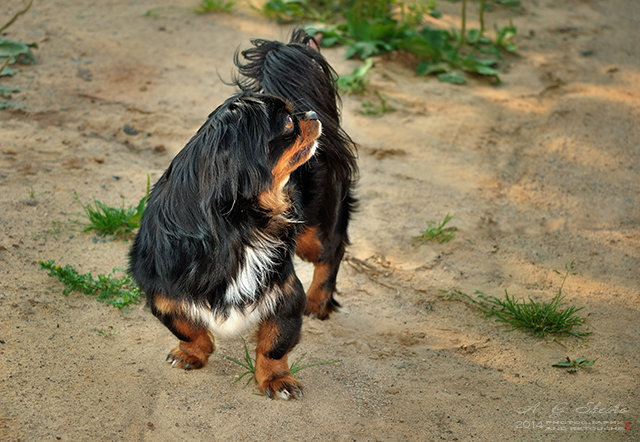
{"x":258,"y":262}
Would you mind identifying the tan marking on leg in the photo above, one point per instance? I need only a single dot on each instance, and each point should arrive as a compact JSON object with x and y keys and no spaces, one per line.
{"x":309,"y":246}
{"x":272,"y":375}
{"x":195,"y":352}
{"x":166,"y":305}
{"x":317,"y":295}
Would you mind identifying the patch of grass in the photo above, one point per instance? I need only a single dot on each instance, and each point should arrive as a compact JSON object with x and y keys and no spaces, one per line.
{"x":56,"y":228}
{"x":292,"y":11}
{"x":538,"y":318}
{"x":437,"y":232}
{"x":371,"y":108}
{"x":573,"y":366}
{"x":208,"y":6}
{"x":117,"y":221}
{"x":249,"y":364}
{"x":356,"y":82}
{"x":118,"y":292}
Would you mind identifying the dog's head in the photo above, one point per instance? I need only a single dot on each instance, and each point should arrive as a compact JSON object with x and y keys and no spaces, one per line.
{"x":247,"y":147}
{"x":299,"y":73}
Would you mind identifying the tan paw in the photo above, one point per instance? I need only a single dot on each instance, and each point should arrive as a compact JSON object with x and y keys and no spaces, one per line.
{"x":189,"y":361}
{"x":283,"y":387}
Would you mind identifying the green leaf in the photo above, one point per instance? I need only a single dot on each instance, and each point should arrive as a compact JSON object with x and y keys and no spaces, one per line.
{"x":330,"y":41}
{"x":510,"y":47}
{"x":16,"y":51}
{"x":428,"y":68}
{"x":453,"y":77}
{"x":562,"y":364}
{"x":484,"y":61}
{"x":486,"y":70}
{"x":584,"y":362}
{"x":6,"y":91}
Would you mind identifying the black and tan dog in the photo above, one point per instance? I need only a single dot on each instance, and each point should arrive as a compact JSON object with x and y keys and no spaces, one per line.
{"x":214,"y":253}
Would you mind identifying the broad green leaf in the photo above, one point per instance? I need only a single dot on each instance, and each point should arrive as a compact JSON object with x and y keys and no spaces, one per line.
{"x":16,"y":51}
{"x":428,"y":68}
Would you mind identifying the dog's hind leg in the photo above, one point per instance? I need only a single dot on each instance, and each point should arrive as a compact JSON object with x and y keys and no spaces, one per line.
{"x":326,"y":257}
{"x":196,"y":342}
{"x":277,"y":335}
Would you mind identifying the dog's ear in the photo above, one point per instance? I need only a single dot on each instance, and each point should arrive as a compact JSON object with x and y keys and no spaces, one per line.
{"x":299,"y":35}
{"x":232,"y":161}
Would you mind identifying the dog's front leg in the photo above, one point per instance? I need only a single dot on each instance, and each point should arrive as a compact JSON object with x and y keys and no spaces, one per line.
{"x":277,"y":335}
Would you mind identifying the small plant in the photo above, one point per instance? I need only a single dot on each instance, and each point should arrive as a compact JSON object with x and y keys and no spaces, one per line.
{"x":31,"y":192}
{"x":370,"y":108}
{"x":118,"y":292}
{"x":249,"y":364}
{"x":12,"y":52}
{"x":207,"y":6}
{"x":356,"y":82}
{"x":6,"y":91}
{"x":375,"y":27}
{"x":107,"y":333}
{"x":437,"y":232}
{"x":539,"y":318}
{"x":573,"y":366}
{"x":56,"y":228}
{"x":117,"y":221}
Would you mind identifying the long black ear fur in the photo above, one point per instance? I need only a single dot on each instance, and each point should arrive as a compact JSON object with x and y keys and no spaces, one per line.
{"x":226,"y":158}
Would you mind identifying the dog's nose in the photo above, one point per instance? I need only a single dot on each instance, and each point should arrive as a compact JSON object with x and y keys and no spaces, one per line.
{"x":311,"y":115}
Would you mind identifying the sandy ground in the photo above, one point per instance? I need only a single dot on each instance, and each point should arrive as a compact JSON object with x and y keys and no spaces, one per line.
{"x":538,"y":172}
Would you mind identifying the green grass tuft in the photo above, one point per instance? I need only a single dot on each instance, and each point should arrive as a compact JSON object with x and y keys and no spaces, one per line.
{"x":208,"y":6}
{"x":371,"y":108}
{"x":118,"y":292}
{"x":249,"y":364}
{"x":117,"y":221}
{"x":437,"y":232}
{"x":538,"y":318}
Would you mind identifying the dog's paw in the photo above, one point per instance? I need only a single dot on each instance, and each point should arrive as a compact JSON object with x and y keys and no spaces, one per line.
{"x":285,"y":387}
{"x":321,"y":309}
{"x":182,"y":359}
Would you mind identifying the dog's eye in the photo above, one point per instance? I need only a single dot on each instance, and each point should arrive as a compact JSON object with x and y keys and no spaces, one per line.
{"x":288,"y":124}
